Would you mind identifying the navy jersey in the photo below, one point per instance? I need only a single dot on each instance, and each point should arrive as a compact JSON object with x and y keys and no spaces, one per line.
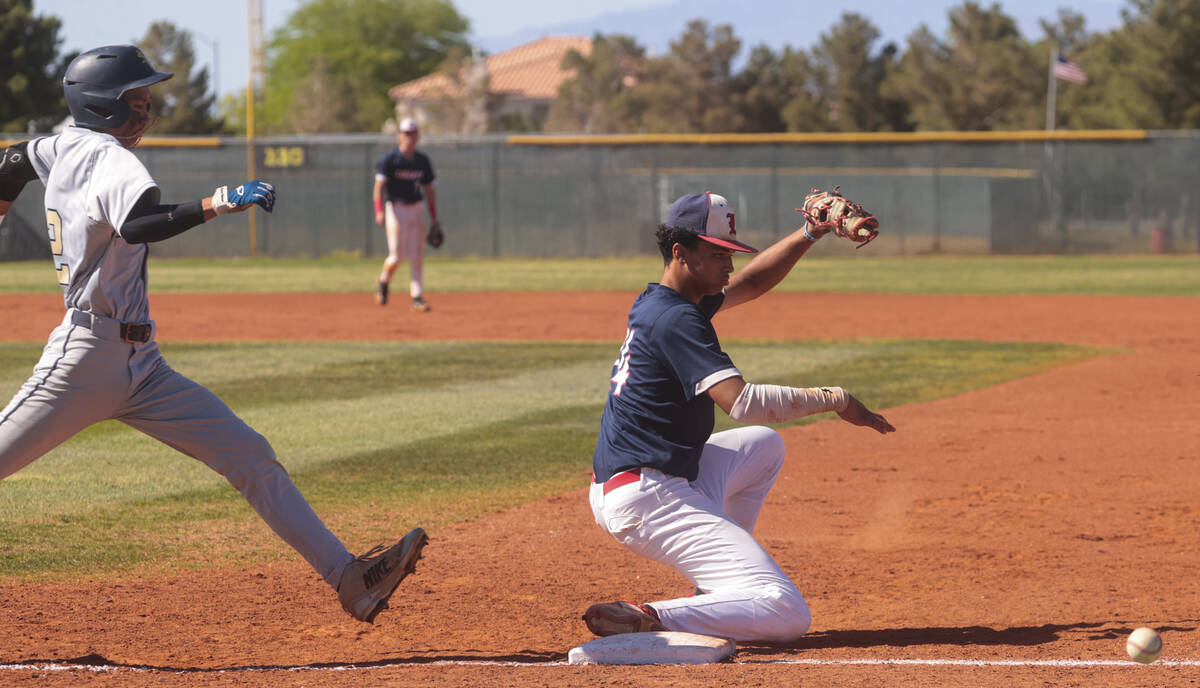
{"x":404,"y":175}
{"x":658,"y":414}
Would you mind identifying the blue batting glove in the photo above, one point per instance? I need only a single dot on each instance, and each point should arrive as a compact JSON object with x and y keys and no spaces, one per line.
{"x":256,"y":192}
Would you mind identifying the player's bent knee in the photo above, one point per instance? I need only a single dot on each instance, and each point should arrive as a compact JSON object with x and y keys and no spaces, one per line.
{"x":784,"y":618}
{"x":768,"y":444}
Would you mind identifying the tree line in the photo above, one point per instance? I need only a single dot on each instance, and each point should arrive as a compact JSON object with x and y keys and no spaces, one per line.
{"x":329,"y":68}
{"x":982,"y":75}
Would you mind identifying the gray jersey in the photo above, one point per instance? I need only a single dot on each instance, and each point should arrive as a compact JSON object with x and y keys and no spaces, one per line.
{"x":90,"y":371}
{"x":91,"y":185}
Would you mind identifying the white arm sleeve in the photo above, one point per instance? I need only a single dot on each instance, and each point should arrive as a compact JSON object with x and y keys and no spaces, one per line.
{"x":778,"y":404}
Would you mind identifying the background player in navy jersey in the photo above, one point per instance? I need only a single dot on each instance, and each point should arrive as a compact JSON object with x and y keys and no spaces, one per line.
{"x":665,"y":486}
{"x":102,"y":362}
{"x":400,"y":178}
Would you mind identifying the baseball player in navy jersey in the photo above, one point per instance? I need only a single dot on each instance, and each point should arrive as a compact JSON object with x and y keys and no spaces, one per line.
{"x":403,"y":178}
{"x":664,"y":485}
{"x":102,"y":362}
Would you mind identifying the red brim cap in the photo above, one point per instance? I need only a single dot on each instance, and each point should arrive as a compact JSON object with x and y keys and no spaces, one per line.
{"x":729,"y":243}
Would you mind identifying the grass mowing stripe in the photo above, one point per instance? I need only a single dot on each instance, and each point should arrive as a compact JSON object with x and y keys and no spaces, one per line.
{"x":109,"y":501}
{"x":1159,"y":275}
{"x":324,"y":424}
{"x":298,"y":373}
{"x":430,"y":482}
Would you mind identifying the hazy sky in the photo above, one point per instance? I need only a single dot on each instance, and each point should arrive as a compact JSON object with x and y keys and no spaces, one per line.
{"x":219,"y":26}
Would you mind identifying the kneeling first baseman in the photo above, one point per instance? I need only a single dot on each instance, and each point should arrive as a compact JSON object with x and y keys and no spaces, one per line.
{"x":668,"y":489}
{"x":102,"y":362}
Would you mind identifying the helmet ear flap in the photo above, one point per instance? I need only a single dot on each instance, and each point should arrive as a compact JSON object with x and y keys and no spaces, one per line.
{"x":118,"y":112}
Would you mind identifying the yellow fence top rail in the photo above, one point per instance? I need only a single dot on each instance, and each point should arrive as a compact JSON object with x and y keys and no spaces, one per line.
{"x":832,"y":137}
{"x":182,"y":141}
{"x":155,"y":142}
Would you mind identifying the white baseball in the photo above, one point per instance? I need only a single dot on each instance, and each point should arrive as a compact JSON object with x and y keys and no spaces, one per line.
{"x":1144,"y":645}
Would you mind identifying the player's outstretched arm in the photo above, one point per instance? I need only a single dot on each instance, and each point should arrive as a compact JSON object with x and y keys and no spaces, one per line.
{"x":750,"y":403}
{"x":149,"y":221}
{"x":766,"y":269}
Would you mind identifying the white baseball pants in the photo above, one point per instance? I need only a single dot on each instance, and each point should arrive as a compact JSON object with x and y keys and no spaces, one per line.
{"x":702,"y":529}
{"x":405,"y":225}
{"x":89,"y":375}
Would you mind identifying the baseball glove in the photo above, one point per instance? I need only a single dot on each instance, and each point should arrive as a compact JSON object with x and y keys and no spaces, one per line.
{"x":435,"y":236}
{"x":830,"y":211}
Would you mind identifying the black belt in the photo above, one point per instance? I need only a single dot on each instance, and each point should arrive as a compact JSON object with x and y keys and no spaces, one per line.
{"x":136,"y":332}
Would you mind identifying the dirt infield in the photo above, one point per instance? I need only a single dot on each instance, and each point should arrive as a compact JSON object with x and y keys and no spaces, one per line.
{"x":1006,"y":536}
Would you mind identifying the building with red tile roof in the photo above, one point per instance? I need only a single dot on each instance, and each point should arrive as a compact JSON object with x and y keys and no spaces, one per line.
{"x":522,"y":83}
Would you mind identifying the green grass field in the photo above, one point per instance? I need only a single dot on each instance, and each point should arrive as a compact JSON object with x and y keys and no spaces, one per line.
{"x":1132,"y":275}
{"x":414,"y":433}
{"x":384,"y":436}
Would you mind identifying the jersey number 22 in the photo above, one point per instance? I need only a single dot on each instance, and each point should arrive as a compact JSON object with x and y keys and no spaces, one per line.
{"x":54,"y":228}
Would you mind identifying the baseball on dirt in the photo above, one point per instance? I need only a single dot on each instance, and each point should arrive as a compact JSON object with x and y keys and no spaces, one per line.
{"x":1144,"y":645}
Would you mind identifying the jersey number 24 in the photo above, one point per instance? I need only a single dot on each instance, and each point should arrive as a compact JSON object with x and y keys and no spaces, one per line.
{"x":621,"y":365}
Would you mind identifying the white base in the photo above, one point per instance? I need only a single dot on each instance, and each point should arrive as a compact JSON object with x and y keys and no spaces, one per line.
{"x":660,"y":647}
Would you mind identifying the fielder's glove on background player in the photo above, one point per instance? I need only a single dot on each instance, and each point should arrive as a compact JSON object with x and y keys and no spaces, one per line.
{"x":435,"y":236}
{"x":251,"y":193}
{"x":828,"y":211}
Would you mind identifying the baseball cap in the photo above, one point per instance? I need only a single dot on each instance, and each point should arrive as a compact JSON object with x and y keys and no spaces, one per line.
{"x":709,"y":216}
{"x":408,"y":124}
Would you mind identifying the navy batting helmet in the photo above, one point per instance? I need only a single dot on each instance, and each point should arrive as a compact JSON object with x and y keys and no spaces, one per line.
{"x":96,"y":80}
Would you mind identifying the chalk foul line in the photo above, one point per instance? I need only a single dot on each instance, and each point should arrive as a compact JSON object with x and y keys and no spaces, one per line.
{"x":1075,"y":663}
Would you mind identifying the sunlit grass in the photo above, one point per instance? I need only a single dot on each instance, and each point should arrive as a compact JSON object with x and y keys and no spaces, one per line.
{"x":1172,"y":275}
{"x":384,"y":436}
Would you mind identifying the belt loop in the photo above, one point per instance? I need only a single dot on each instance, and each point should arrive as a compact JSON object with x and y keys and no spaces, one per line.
{"x":81,"y":318}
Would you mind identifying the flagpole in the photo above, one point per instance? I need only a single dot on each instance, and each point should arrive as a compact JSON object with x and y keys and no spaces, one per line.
{"x":1051,"y":91}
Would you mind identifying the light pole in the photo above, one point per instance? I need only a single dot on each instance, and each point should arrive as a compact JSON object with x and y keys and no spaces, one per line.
{"x":215,"y":76}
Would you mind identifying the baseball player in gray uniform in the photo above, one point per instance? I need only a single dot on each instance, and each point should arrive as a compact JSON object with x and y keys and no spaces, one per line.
{"x":102,"y":362}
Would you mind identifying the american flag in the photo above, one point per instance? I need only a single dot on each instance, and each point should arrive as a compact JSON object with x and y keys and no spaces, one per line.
{"x":1069,"y":71}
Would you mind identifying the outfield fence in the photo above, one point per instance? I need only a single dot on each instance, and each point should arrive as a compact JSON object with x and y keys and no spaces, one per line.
{"x":566,"y":196}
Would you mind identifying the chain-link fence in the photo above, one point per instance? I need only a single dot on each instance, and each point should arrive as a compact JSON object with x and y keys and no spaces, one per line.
{"x":541,"y":197}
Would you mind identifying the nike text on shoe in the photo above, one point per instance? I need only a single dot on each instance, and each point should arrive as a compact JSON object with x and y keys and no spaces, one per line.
{"x":612,"y":618}
{"x":370,"y":580}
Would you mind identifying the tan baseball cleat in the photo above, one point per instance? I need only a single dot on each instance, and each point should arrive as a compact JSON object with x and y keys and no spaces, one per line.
{"x":612,"y":618}
{"x":370,"y":580}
